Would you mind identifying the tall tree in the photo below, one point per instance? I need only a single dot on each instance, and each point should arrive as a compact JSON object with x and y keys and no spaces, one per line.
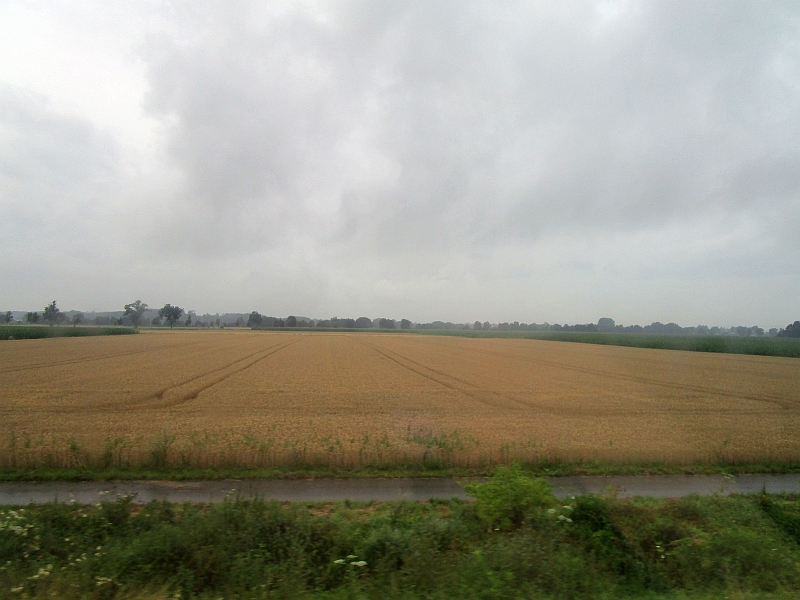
{"x":254,"y":320}
{"x":170,"y":314}
{"x":52,"y":314}
{"x":792,"y":330}
{"x":405,"y":324}
{"x":8,"y":317}
{"x":77,"y":318}
{"x":135,"y":310}
{"x":291,"y":321}
{"x":32,"y":317}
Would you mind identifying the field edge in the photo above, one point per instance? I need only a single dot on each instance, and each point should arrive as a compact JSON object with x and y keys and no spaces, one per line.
{"x":379,"y":471}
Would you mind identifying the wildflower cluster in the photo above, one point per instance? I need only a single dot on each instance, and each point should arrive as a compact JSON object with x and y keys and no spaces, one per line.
{"x":349,"y":560}
{"x":561,"y":513}
{"x":14,"y":522}
{"x":42,"y":573}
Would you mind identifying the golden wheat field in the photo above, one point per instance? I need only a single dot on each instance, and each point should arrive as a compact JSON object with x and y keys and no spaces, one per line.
{"x":242,"y":397}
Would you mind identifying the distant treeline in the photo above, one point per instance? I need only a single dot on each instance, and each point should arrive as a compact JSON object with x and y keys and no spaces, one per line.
{"x":139,"y":314}
{"x":605,"y":326}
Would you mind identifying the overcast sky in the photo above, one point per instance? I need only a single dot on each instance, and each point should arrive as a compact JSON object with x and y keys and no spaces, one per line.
{"x":538,"y":161}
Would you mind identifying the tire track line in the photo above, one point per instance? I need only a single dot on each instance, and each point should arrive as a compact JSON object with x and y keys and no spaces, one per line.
{"x":158,"y":394}
{"x":465,"y":388}
{"x":767,"y":398}
{"x":193,"y":394}
{"x":584,"y":410}
{"x":76,"y":361}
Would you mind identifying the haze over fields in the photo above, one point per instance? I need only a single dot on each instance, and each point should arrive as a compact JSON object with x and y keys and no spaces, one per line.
{"x":536,"y":162}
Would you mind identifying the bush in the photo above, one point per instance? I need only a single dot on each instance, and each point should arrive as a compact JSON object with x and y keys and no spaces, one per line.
{"x":510,"y":497}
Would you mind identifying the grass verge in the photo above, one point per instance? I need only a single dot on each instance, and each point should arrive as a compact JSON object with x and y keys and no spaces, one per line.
{"x":431,"y":469}
{"x":515,"y":541}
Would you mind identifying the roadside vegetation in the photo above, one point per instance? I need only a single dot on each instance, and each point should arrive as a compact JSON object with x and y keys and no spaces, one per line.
{"x":515,"y":541}
{"x":153,"y":470}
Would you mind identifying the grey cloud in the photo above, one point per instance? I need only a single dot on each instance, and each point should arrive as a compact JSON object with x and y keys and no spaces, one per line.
{"x":55,"y":170}
{"x":389,"y":151}
{"x":633,"y":125}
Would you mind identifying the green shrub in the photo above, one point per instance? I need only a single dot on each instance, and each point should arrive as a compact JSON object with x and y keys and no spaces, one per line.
{"x":606,"y":542}
{"x":784,"y":513}
{"x":510,"y":497}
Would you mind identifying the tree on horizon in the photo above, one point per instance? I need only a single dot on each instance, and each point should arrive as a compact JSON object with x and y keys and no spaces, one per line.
{"x":170,"y":314}
{"x":135,"y":310}
{"x":52,"y":314}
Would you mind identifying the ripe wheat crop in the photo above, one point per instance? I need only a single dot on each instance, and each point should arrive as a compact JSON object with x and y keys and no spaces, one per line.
{"x":268,"y":398}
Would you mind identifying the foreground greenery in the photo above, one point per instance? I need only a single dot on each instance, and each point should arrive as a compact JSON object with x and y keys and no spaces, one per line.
{"x":419,"y":469}
{"x":32,"y":332}
{"x":515,"y":541}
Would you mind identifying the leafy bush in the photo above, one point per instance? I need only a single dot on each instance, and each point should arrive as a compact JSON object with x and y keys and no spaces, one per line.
{"x":510,"y":497}
{"x":784,"y":513}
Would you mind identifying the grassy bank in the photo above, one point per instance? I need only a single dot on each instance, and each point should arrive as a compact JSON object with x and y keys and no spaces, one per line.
{"x":34,"y":332}
{"x":516,"y":541}
{"x":426,"y":469}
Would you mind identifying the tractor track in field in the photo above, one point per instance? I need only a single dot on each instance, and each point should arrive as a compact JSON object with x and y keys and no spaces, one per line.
{"x":554,"y":410}
{"x":697,"y":389}
{"x":77,"y":361}
{"x":157,"y":400}
{"x":446,"y":380}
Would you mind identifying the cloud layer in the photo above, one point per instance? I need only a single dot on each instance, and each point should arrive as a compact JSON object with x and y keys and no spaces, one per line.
{"x":426,"y":160}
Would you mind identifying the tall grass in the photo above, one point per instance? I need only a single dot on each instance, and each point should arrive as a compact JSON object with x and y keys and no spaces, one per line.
{"x":417,"y":452}
{"x":33,"y":332}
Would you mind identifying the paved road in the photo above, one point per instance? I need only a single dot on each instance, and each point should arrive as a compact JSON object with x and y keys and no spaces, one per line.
{"x":364,"y":490}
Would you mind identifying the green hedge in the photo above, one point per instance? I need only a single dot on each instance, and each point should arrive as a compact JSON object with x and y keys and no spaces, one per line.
{"x":35,"y":332}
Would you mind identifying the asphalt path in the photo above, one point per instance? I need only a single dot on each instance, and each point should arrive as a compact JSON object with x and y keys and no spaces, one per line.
{"x":365,"y":490}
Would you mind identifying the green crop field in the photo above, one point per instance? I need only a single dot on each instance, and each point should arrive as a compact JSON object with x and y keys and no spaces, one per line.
{"x":35,"y":332}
